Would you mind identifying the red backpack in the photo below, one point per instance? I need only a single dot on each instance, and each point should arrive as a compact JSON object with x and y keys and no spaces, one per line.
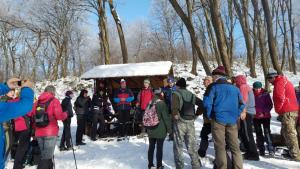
{"x":150,"y":118}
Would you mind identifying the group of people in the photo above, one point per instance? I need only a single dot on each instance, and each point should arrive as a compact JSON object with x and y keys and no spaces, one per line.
{"x":230,"y":109}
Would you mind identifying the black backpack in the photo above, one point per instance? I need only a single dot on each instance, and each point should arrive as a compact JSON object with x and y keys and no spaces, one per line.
{"x":187,"y":111}
{"x":41,"y":117}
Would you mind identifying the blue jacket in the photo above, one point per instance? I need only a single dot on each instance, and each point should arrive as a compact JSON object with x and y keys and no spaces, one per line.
{"x":11,"y":110}
{"x":223,"y":102}
{"x":168,"y":95}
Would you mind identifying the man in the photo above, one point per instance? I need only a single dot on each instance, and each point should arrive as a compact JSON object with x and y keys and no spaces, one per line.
{"x":65,"y":143}
{"x":47,"y":134}
{"x":11,"y":110}
{"x":183,"y":112}
{"x":224,"y":104}
{"x":206,"y":128}
{"x":143,"y":99}
{"x":285,"y":103}
{"x":100,"y":107}
{"x":123,"y":98}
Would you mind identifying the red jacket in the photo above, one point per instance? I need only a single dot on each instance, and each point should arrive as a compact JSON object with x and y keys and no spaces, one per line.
{"x":284,"y":96}
{"x":55,"y":113}
{"x":20,"y":124}
{"x":144,"y":97}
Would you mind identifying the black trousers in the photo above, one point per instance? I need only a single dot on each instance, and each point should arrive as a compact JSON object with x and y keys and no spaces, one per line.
{"x":159,"y":151}
{"x":205,"y":131}
{"x":246,"y":136}
{"x":46,"y":164}
{"x":81,"y":120}
{"x":261,"y":136}
{"x":23,"y":139}
{"x":124,"y":119}
{"x":66,"y":136}
{"x":98,"y":118}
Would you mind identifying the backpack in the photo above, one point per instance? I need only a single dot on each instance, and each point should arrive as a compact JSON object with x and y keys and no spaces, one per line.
{"x":41,"y":117}
{"x":150,"y":118}
{"x":187,"y":111}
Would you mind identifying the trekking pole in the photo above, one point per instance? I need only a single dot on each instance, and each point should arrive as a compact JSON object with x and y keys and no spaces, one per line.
{"x":73,"y":152}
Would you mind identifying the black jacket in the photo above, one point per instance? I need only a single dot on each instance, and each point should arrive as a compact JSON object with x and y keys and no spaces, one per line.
{"x":67,"y":106}
{"x":100,"y":103}
{"x":82,"y":105}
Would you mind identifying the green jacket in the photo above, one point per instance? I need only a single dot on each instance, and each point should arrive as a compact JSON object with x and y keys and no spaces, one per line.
{"x":164,"y":126}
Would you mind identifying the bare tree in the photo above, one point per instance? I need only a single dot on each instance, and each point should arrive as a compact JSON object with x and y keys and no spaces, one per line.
{"x":292,"y":30}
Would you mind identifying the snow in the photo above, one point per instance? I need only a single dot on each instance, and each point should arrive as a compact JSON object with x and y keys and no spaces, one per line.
{"x":131,"y":69}
{"x":132,"y":154}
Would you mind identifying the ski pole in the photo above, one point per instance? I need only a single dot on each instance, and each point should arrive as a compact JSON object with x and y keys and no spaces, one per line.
{"x":73,"y":153}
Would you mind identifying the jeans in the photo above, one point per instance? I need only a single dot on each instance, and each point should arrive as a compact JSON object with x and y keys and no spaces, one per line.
{"x":47,"y":146}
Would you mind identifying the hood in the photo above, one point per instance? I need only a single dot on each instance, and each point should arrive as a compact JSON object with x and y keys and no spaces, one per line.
{"x":240,"y":80}
{"x":279,"y":78}
{"x":44,"y":97}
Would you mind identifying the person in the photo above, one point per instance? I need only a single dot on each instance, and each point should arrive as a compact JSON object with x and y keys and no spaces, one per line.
{"x":183,"y":112}
{"x":159,"y":133}
{"x":263,"y":107}
{"x":123,"y":98}
{"x":297,"y":90}
{"x":100,"y":107}
{"x":224,"y":106}
{"x":206,"y":128}
{"x":143,"y":99}
{"x":11,"y":110}
{"x":47,"y":135}
{"x":82,"y":108}
{"x":168,"y":90}
{"x":22,"y":135}
{"x":65,"y":142}
{"x":246,"y":131}
{"x":285,"y":103}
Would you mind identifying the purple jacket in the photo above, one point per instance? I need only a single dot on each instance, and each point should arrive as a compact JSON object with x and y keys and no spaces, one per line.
{"x":263,"y":104}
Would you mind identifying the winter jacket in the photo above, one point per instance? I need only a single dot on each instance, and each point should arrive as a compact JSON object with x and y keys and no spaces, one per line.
{"x":125,"y":94}
{"x":247,"y":93}
{"x":168,"y":95}
{"x":144,"y":97}
{"x":66,"y":106}
{"x":11,"y":110}
{"x":263,"y":104}
{"x":164,"y":126}
{"x":223,"y":102}
{"x":82,"y":105}
{"x":101,"y":103}
{"x":54,"y":112}
{"x":284,"y":95}
{"x":21,"y":123}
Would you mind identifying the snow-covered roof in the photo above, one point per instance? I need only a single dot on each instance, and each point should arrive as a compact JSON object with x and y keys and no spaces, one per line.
{"x":159,"y":68}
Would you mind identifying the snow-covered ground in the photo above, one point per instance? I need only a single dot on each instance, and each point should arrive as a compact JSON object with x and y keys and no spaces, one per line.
{"x":132,"y":154}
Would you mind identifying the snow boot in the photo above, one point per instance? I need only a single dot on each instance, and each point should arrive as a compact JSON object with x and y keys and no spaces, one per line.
{"x":202,"y":148}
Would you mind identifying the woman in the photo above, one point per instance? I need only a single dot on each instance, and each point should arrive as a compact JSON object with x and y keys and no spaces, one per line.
{"x":263,"y":106}
{"x":82,"y":107}
{"x":158,"y":134}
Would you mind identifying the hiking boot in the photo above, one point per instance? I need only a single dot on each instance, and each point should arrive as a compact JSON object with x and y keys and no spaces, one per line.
{"x":62,"y":148}
{"x":68,"y":148}
{"x":250,"y":157}
{"x":93,"y":139}
{"x":151,"y":167}
{"x":81,"y":144}
{"x":161,"y":167}
{"x":262,"y":152}
{"x":202,"y":148}
{"x":272,"y":153}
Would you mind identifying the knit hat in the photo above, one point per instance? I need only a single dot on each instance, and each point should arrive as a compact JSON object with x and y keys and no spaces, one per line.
{"x":68,"y":93}
{"x":257,"y":85}
{"x":147,"y":81}
{"x":122,"y":81}
{"x":220,"y":70}
{"x":271,"y":74}
{"x":157,"y":91}
{"x":181,"y":83}
{"x":170,"y":80}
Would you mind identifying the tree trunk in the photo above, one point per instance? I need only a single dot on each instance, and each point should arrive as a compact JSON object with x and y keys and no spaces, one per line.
{"x":190,"y":15}
{"x":103,"y":34}
{"x":292,"y":29}
{"x":243,"y":18}
{"x":271,"y":39}
{"x":220,"y":32}
{"x":192,"y":33}
{"x":261,"y":41}
{"x":120,"y":31}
